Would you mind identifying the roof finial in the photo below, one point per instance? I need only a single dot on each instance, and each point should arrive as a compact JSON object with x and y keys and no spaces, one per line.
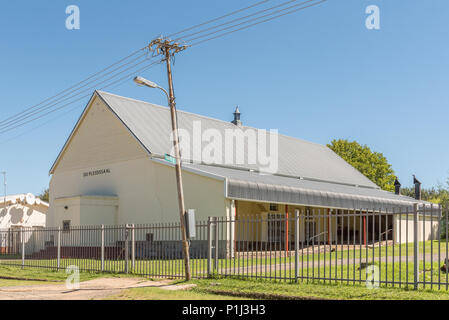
{"x":236,"y":120}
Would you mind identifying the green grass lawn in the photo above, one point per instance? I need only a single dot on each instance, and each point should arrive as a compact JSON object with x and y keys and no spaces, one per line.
{"x":319,"y":291}
{"x":279,"y":265}
{"x":161,"y":294}
{"x":227,"y":289}
{"x":14,"y":283}
{"x":402,"y":274}
{"x":340,"y":254}
{"x":56,"y":277}
{"x":9,"y":274}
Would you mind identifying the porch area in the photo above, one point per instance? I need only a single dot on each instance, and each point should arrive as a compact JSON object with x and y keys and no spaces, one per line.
{"x":271,"y":226}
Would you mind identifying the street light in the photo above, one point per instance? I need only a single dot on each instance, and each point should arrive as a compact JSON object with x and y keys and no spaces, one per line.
{"x":171,"y":101}
{"x":150,"y":84}
{"x":144,"y":82}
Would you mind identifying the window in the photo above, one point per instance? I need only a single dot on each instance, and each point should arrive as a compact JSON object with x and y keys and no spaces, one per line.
{"x":51,"y":242}
{"x":66,"y":225}
{"x":273,"y":207}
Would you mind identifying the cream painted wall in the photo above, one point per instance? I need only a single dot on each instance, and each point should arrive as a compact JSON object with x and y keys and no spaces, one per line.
{"x":86,"y":210}
{"x":146,"y":189}
{"x":427,"y":228}
{"x":100,"y":139}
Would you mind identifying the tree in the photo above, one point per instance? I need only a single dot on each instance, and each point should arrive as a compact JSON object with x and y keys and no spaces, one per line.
{"x":431,"y":194}
{"x":439,"y":195}
{"x":45,"y":195}
{"x":371,"y":164}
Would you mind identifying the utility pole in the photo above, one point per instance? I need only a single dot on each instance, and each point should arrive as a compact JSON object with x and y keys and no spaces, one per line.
{"x":168,"y":49}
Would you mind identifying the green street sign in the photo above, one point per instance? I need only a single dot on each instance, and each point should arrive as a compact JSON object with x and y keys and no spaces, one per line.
{"x":170,"y":159}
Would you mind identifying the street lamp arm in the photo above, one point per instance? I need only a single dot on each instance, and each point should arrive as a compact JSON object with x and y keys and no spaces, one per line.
{"x":166,"y":93}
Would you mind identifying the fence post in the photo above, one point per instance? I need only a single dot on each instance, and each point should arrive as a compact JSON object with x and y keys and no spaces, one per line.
{"x":59,"y":247}
{"x":23,"y":247}
{"x":133,"y":247}
{"x":102,"y":247}
{"x":296,"y":245}
{"x":126,"y":249}
{"x":415,"y":246}
{"x":215,"y":243}
{"x":209,"y":246}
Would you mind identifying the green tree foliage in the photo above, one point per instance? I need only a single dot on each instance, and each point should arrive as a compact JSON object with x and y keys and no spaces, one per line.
{"x":439,"y":195}
{"x":372,"y":164}
{"x":45,"y":195}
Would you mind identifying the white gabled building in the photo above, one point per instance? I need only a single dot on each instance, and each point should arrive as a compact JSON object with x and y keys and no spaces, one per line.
{"x":112,"y":171}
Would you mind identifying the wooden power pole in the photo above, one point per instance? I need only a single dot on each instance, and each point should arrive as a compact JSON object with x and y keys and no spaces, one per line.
{"x":167,"y":48}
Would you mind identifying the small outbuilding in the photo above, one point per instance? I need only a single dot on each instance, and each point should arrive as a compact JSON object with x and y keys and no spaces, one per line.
{"x":16,"y":213}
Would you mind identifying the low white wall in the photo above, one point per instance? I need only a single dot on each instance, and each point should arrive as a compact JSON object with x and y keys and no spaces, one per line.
{"x":427,"y":228}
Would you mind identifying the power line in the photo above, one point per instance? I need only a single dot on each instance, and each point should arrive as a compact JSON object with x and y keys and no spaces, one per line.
{"x":251,"y":25}
{"x":4,"y":130}
{"x":51,"y":102}
{"x":110,"y":86}
{"x":18,"y":120}
{"x":24,"y":115}
{"x":21,"y":119}
{"x":79,"y":83}
{"x":65,"y":92}
{"x":219,"y":18}
{"x":242,"y":18}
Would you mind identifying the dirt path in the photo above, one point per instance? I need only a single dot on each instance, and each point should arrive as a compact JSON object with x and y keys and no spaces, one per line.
{"x":89,"y":290}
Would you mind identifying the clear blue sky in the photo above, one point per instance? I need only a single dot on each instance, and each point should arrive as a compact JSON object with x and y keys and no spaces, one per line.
{"x":318,"y":74}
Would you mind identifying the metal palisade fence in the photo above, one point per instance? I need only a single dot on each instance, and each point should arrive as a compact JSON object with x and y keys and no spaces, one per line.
{"x":395,"y":248}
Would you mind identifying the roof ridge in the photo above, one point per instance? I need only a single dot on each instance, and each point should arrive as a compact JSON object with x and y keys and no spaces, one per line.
{"x":207,"y":117}
{"x":307,"y":169}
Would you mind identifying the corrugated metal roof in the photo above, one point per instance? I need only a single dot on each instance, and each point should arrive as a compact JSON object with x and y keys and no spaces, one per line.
{"x":254,"y":186}
{"x":297,"y":158}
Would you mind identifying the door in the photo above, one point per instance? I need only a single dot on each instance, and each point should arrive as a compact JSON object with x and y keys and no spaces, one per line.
{"x":276,"y":228}
{"x":310,"y":229}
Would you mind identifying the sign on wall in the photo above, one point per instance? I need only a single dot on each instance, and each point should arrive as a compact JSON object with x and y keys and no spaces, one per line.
{"x":96,"y":173}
